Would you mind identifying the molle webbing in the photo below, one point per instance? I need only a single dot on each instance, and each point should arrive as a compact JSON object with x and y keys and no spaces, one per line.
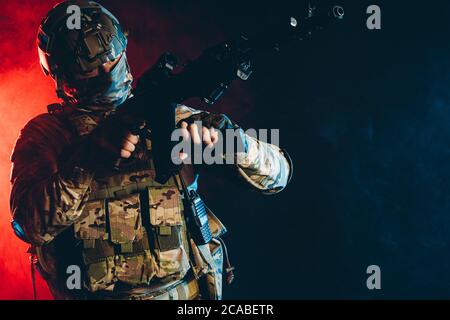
{"x":134,"y":231}
{"x":102,"y":249}
{"x":114,"y":191}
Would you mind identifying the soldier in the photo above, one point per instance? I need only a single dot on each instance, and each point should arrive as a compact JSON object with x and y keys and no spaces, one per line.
{"x":126,"y":232}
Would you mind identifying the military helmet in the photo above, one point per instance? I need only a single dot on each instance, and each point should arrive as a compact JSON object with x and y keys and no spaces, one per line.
{"x":64,"y":50}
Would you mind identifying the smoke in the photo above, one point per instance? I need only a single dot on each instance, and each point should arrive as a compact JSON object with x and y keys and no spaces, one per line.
{"x":25,"y":91}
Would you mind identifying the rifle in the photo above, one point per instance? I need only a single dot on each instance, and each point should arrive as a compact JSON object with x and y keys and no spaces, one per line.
{"x":160,"y":89}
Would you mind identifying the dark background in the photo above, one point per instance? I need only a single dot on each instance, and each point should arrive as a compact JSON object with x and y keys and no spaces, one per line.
{"x":365,"y":116}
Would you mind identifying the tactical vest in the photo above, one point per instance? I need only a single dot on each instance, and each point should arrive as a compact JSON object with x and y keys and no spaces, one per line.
{"x":133,"y":231}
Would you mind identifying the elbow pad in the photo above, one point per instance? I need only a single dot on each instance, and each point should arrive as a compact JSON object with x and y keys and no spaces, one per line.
{"x":19,"y":232}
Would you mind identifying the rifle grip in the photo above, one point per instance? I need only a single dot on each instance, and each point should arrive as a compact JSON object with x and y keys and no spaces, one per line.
{"x":135,"y":131}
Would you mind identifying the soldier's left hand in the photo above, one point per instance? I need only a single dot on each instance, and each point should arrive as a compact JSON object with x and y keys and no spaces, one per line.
{"x":191,"y":132}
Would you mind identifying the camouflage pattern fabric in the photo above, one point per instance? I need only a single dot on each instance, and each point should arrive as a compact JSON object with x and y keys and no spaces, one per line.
{"x":125,"y":180}
{"x":124,"y":220}
{"x":94,"y":225}
{"x":136,"y":269}
{"x":43,"y":201}
{"x":174,"y":263}
{"x":46,"y":202}
{"x":263,"y":166}
{"x":101,"y":275}
{"x":133,"y":270}
{"x":119,"y":186}
{"x":165,"y":206}
{"x":183,"y":112}
{"x":43,"y":139}
{"x":165,"y":211}
{"x":186,"y":289}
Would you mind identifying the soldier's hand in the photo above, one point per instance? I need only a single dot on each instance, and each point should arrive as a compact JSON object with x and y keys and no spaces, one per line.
{"x":191,"y":132}
{"x":108,"y":141}
{"x":129,"y":145}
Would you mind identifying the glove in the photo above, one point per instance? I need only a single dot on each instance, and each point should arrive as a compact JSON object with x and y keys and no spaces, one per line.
{"x":101,"y":148}
{"x":227,"y":128}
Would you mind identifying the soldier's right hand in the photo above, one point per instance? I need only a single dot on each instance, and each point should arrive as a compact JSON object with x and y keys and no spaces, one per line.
{"x":129,"y":145}
{"x":110,"y":140}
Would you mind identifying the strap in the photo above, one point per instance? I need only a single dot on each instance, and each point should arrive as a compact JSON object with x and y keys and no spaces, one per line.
{"x":33,"y":261}
{"x":55,"y":108}
{"x":187,"y":288}
{"x":228,"y":267}
{"x":206,"y":255}
{"x":102,"y":249}
{"x":204,"y":250}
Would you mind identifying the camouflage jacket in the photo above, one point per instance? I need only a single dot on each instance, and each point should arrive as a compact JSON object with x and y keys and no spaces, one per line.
{"x":49,"y":193}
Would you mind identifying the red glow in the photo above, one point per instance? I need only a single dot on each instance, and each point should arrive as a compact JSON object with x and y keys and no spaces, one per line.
{"x":25,"y":92}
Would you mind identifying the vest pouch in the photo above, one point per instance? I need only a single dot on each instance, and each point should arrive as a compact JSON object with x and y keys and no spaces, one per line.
{"x":125,"y":224}
{"x":168,"y":228}
{"x":115,"y":246}
{"x":104,"y":268}
{"x":91,"y":230}
{"x":93,"y":225}
{"x":100,"y":275}
{"x":136,"y":269}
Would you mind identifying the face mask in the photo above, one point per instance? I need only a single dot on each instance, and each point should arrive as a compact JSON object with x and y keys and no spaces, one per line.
{"x":106,"y":90}
{"x":120,"y":85}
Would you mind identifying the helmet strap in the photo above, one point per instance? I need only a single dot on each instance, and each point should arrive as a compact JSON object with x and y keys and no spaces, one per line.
{"x":60,"y":93}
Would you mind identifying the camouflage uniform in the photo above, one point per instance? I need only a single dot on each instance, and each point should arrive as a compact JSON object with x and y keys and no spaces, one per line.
{"x":126,"y":231}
